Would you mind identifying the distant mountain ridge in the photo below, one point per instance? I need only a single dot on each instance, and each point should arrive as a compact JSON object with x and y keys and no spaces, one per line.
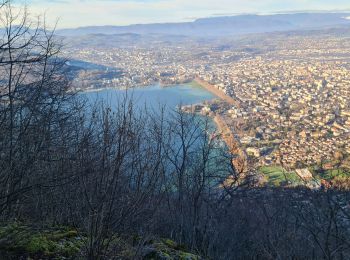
{"x":224,"y":26}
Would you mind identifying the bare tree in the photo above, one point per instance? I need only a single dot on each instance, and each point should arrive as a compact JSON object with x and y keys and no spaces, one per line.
{"x":32,"y":97}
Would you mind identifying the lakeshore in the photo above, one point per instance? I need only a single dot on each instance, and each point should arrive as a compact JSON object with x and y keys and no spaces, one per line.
{"x":189,"y":95}
{"x":212,"y":89}
{"x":227,"y":134}
{"x":154,"y":96}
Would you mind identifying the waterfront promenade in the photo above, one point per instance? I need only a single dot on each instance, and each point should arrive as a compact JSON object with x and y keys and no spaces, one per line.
{"x":212,"y":89}
{"x":227,"y":135}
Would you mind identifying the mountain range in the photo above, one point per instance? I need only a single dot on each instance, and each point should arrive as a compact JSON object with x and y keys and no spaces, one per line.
{"x":224,"y":26}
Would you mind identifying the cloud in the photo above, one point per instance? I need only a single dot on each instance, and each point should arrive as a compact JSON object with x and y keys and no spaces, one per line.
{"x":74,"y":13}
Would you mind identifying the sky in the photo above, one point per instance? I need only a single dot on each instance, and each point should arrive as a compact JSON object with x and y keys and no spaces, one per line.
{"x":77,"y":13}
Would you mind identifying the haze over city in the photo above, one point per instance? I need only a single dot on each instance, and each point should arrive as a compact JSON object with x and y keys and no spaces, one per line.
{"x":76,"y":13}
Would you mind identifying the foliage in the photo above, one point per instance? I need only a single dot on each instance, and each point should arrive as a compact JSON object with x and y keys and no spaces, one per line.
{"x":334,"y":173}
{"x":17,"y":239}
{"x":118,"y":173}
{"x":169,"y":250}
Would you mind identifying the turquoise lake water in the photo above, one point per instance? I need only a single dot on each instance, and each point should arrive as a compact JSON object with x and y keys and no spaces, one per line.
{"x":157,"y":96}
{"x":153,"y":96}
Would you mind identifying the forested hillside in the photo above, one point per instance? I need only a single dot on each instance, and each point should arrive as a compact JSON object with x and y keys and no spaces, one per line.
{"x":113,"y":182}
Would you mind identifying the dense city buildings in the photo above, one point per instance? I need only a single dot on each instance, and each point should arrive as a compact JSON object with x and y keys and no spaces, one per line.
{"x":291,"y":91}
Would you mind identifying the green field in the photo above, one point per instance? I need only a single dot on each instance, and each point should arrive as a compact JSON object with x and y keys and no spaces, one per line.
{"x":331,"y":174}
{"x":276,"y":176}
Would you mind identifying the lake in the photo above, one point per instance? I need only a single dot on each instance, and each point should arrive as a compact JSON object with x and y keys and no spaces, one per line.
{"x":154,"y":96}
{"x":170,"y":96}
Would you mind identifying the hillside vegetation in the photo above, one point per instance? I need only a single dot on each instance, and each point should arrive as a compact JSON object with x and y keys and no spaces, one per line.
{"x":116,"y":182}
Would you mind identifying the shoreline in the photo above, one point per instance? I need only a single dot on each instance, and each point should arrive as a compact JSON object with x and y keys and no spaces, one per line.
{"x":162,"y":85}
{"x":218,"y":93}
{"x":227,"y":135}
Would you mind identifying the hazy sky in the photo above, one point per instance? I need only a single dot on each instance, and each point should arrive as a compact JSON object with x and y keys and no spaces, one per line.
{"x":74,"y":13}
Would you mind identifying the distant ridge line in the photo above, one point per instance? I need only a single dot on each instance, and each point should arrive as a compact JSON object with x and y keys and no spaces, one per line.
{"x":225,"y":25}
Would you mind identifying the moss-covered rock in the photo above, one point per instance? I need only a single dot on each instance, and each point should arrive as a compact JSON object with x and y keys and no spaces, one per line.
{"x":167,"y":250}
{"x":18,"y":240}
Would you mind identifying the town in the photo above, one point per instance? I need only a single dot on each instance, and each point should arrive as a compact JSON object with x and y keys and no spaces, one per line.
{"x":290,"y":92}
